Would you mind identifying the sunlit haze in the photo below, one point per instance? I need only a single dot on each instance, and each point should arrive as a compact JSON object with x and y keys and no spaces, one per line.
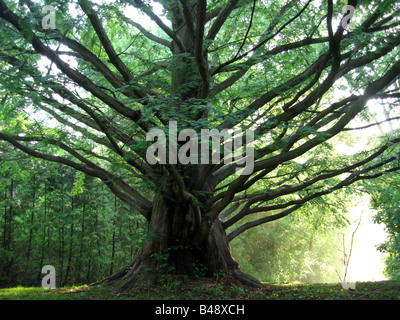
{"x":366,"y":262}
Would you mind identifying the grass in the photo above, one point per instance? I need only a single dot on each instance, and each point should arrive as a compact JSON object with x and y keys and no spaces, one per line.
{"x":217,"y":289}
{"x":38,"y":293}
{"x":381,"y":290}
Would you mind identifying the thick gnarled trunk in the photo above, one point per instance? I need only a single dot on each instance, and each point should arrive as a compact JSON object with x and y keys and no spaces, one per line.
{"x":175,"y":232}
{"x":182,"y":234}
{"x":174,"y":242}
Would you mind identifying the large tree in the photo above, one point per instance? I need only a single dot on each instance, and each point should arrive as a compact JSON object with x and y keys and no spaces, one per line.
{"x":86,"y":90}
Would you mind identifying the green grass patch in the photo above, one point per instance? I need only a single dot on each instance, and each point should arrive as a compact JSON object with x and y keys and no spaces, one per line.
{"x":38,"y":293}
{"x":24,"y":293}
{"x":211,"y":290}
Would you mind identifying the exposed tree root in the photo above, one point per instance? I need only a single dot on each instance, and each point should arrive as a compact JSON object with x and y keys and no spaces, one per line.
{"x":215,"y":256}
{"x":115,"y":276}
{"x":247,"y":279}
{"x":142,"y":273}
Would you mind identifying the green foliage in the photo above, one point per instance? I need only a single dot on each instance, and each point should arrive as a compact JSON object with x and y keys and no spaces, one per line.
{"x":54,"y":215}
{"x":302,"y":247}
{"x":93,"y":111}
{"x":386,"y":200}
{"x":381,"y":290}
{"x":166,"y":270}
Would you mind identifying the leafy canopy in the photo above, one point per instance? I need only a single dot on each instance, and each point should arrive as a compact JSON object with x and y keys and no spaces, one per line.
{"x":86,"y":93}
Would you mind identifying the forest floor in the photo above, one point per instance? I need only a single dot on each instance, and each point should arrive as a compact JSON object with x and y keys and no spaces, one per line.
{"x":183,"y":288}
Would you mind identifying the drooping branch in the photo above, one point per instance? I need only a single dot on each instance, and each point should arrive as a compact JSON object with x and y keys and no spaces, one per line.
{"x":91,"y":119}
{"x":296,"y":204}
{"x":244,"y":67}
{"x":146,"y":33}
{"x":261,"y":42}
{"x":130,"y":196}
{"x":148,"y":11}
{"x":74,"y":75}
{"x":271,"y":163}
{"x":388,"y":120}
{"x":107,"y":45}
{"x":273,"y":194}
{"x":255,"y":223}
{"x":221,"y":18}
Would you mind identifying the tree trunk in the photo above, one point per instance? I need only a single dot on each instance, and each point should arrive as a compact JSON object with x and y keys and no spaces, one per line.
{"x":113,"y":249}
{"x":5,"y":220}
{"x":172,"y":231}
{"x":182,"y":236}
{"x":9,"y":259}
{"x":172,"y":228}
{"x":61,"y":233}
{"x":43,"y":235}
{"x":28,"y":255}
{"x":81,"y":241}
{"x":10,"y":216}
{"x":71,"y":243}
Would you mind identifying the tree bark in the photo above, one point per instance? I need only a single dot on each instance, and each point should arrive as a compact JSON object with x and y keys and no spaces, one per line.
{"x":43,"y":235}
{"x":172,"y":230}
{"x":113,"y":243}
{"x":28,"y":255}
{"x":71,"y":243}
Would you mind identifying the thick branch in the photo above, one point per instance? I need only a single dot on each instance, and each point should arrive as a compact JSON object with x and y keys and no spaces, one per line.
{"x":270,"y":163}
{"x":76,"y":76}
{"x":140,"y":203}
{"x":146,"y":33}
{"x":299,"y":203}
{"x":105,"y":41}
{"x":147,"y":10}
{"x":201,"y":60}
{"x":221,"y":18}
{"x":274,"y":194}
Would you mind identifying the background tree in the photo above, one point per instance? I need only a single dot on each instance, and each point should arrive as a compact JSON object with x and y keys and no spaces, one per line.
{"x":385,"y":199}
{"x":289,"y":71}
{"x":55,"y":220}
{"x":304,"y":247}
